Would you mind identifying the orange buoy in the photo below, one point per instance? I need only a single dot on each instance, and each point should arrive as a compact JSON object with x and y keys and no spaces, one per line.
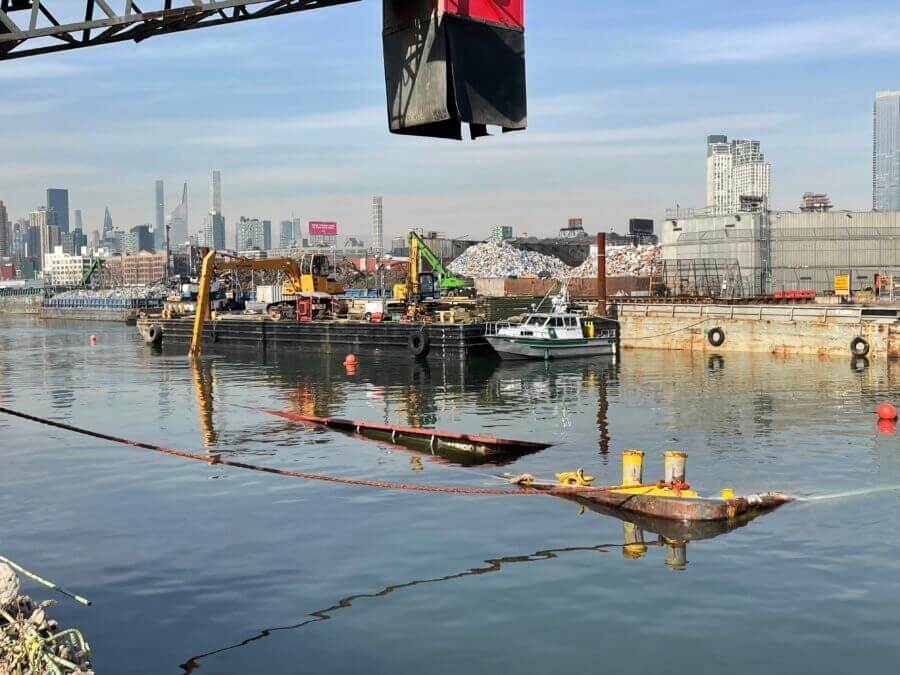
{"x":887,"y":412}
{"x":350,"y":360}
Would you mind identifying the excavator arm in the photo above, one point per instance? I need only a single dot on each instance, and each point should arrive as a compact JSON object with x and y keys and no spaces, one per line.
{"x":211,"y":264}
{"x":448,"y":279}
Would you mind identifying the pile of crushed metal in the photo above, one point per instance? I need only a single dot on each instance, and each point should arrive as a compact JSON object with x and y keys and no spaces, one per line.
{"x":500,"y":261}
{"x":623,"y":261}
{"x":30,"y":642}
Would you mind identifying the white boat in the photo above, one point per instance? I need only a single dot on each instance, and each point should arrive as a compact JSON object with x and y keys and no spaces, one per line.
{"x":555,"y":335}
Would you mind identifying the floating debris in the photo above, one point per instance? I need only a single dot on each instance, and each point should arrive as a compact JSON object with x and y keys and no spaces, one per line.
{"x":31,"y":643}
{"x":499,"y":261}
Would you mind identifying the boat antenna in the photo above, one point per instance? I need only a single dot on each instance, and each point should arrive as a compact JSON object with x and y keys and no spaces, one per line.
{"x":552,"y":288}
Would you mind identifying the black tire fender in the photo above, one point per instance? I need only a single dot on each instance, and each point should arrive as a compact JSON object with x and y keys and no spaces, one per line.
{"x":716,"y":337}
{"x":419,"y":344}
{"x":154,"y":334}
{"x":859,"y":346}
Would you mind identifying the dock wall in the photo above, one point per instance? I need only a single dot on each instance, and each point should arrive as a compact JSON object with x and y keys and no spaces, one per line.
{"x":776,"y":329}
{"x":21,"y":304}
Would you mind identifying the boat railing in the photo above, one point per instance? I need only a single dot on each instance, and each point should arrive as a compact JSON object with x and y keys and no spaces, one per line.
{"x":493,"y":327}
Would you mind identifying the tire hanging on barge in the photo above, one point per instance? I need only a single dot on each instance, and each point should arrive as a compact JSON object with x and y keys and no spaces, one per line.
{"x":419,"y":344}
{"x":716,"y":337}
{"x":859,"y":346}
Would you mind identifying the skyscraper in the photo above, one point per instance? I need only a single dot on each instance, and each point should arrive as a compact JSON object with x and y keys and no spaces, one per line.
{"x":178,"y":221}
{"x":377,"y":225}
{"x":886,"y":152}
{"x":159,"y":226}
{"x":79,"y":221}
{"x":43,"y":220}
{"x":107,"y":223}
{"x":213,"y":231}
{"x":287,"y":234}
{"x":5,"y":233}
{"x":250,"y":234}
{"x":58,"y":203}
{"x":735,"y":172}
{"x":215,"y":192}
{"x":267,"y":235}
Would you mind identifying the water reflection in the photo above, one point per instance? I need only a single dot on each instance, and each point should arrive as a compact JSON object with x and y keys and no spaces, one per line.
{"x":670,"y":536}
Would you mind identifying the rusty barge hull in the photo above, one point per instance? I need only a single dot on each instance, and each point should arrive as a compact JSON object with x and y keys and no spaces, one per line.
{"x":683,"y":509}
{"x":482,"y":446}
{"x":811,"y":329}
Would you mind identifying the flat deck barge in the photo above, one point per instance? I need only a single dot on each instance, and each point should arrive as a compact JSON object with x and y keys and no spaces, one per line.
{"x":417,"y":340}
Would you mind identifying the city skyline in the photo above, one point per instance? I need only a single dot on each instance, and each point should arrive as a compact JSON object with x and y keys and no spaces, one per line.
{"x":613,"y":129}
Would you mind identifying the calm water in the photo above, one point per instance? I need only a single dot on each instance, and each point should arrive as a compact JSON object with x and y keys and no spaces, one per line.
{"x":270,"y":574}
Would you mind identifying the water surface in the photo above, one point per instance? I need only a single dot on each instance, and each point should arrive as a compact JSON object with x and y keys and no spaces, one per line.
{"x":261,"y":573}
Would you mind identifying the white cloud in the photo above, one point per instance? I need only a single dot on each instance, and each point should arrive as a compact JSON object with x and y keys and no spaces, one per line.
{"x":829,"y":37}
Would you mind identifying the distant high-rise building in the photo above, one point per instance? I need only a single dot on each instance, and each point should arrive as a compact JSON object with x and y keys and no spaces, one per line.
{"x":79,"y":220}
{"x":736,"y":172}
{"x":95,"y":239}
{"x":58,"y":203}
{"x":107,"y":223}
{"x":213,"y":234}
{"x":178,"y":221}
{"x":886,"y":152}
{"x":215,"y":192}
{"x":5,"y":232}
{"x":267,"y":235}
{"x":159,"y":226}
{"x":44,"y":221}
{"x":250,"y":234}
{"x":138,"y":239}
{"x":286,"y":234}
{"x":377,"y":225}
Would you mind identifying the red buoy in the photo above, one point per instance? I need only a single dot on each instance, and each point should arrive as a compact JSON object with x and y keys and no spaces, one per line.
{"x":887,"y":412}
{"x":350,"y":360}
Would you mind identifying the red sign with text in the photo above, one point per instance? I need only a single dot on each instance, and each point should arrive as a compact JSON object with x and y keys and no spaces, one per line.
{"x":505,"y":12}
{"x":316,"y":227}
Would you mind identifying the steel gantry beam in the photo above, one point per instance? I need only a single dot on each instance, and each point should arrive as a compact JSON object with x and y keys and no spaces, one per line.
{"x":29,"y":27}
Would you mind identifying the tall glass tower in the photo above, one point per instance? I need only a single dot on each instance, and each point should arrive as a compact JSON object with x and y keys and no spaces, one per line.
{"x":58,"y":202}
{"x":886,"y":152}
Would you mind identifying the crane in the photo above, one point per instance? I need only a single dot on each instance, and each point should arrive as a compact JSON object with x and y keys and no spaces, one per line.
{"x":413,"y":288}
{"x":447,"y":62}
{"x":307,"y":276}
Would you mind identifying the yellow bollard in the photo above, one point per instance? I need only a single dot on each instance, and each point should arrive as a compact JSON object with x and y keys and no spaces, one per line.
{"x":675,"y":466}
{"x":676,"y":555}
{"x":632,"y":468}
{"x":634,"y":541}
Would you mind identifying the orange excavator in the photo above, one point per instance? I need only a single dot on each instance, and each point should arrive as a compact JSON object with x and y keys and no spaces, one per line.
{"x":307,"y":277}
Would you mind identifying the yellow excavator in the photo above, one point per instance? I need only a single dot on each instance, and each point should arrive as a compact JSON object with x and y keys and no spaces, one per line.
{"x":306,"y":276}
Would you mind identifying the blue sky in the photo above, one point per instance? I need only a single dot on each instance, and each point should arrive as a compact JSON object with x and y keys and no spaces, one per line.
{"x":292,"y":111}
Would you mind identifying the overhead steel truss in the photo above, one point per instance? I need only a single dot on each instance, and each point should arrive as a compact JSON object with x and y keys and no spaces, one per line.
{"x":29,"y":27}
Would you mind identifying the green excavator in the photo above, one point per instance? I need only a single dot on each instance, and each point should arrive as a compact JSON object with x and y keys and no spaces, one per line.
{"x":420,"y":283}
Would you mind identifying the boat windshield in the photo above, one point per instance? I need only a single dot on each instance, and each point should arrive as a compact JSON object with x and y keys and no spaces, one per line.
{"x":536,"y":320}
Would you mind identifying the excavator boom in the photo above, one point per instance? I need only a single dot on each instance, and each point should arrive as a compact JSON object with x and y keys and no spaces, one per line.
{"x":308,"y":275}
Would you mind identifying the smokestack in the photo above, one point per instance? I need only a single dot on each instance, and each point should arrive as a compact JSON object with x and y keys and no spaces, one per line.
{"x":601,"y":274}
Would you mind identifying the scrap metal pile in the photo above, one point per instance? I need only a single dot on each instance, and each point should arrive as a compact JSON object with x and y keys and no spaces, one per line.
{"x":149,"y":292}
{"x":497,"y":261}
{"x":30,"y":642}
{"x":623,"y":261}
